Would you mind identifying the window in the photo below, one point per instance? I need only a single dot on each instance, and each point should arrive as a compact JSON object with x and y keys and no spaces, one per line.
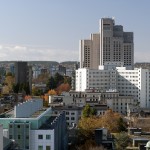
{"x":40,"y":136}
{"x":27,"y":147}
{"x":18,"y":126}
{"x":10,"y":136}
{"x":27,"y":136}
{"x":10,"y":126}
{"x":19,"y":137}
{"x":48,"y":148}
{"x":67,"y":113}
{"x":72,"y":118}
{"x":40,"y":147}
{"x":27,"y":126}
{"x":48,"y":137}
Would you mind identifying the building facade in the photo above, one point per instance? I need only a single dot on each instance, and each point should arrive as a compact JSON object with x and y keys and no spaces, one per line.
{"x":134,"y":83}
{"x":23,"y":74}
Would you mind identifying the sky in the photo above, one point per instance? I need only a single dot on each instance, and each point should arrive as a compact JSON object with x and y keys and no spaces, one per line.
{"x":50,"y":30}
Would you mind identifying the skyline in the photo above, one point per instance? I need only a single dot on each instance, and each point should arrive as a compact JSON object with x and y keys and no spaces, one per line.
{"x":51,"y":30}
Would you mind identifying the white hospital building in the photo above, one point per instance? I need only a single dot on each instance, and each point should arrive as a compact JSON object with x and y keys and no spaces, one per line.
{"x":113,"y":76}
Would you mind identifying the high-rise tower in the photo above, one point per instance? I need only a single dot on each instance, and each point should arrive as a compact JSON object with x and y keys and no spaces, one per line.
{"x":115,"y":44}
{"x":89,"y":52}
{"x":112,"y":44}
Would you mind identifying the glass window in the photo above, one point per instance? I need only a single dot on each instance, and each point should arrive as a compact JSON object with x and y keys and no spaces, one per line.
{"x":27,"y":147}
{"x":67,"y":113}
{"x":10,"y":136}
{"x":40,"y":136}
{"x":72,"y":118}
{"x":40,"y":147}
{"x":27,"y":136}
{"x":48,"y":148}
{"x":48,"y":137}
{"x":19,"y":137}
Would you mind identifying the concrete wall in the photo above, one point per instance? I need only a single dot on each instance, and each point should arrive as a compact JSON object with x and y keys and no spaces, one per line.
{"x":35,"y":142}
{"x":26,"y":109}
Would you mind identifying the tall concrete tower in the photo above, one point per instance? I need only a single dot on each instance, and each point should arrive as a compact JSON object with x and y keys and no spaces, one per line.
{"x":89,"y":52}
{"x":111,"y":44}
{"x":115,"y":44}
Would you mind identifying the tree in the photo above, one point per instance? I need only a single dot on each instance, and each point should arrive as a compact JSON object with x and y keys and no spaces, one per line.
{"x":36,"y":91}
{"x":16,"y":88}
{"x":64,"y":87}
{"x":122,"y":125}
{"x":58,"y":79}
{"x":51,"y":84}
{"x":87,"y":125}
{"x":90,"y":145}
{"x":42,"y":78}
{"x":52,"y":92}
{"x":9,"y":81}
{"x":9,"y":74}
{"x":88,"y":111}
{"x":122,"y":140}
{"x":111,"y":121}
{"x":67,"y":80}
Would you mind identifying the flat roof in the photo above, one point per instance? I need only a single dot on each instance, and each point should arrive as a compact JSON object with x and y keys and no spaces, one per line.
{"x":37,"y":113}
{"x":10,"y":114}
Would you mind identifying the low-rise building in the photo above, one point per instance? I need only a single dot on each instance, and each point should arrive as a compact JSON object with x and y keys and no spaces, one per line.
{"x":30,"y":126}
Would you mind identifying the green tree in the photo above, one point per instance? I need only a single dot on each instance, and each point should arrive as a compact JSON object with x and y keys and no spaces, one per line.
{"x":122,"y":125}
{"x":88,"y":111}
{"x":37,"y":92}
{"x":122,"y":140}
{"x":58,"y":79}
{"x":51,"y":84}
{"x":16,"y":88}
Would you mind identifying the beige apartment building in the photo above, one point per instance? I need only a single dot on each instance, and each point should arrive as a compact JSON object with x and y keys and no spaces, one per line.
{"x":90,"y":52}
{"x":111,"y":44}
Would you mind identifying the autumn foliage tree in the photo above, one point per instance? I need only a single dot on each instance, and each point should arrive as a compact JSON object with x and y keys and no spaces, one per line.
{"x":50,"y":92}
{"x":59,"y":82}
{"x":64,"y":87}
{"x":110,"y":120}
{"x":113,"y":121}
{"x":9,"y":81}
{"x":122,"y":140}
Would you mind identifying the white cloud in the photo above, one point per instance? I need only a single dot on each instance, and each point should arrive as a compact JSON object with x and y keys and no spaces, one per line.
{"x":18,"y":52}
{"x":25,"y":53}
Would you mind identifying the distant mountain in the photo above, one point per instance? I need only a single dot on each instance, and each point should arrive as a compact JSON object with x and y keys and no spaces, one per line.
{"x":69,"y":62}
{"x":47,"y":63}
